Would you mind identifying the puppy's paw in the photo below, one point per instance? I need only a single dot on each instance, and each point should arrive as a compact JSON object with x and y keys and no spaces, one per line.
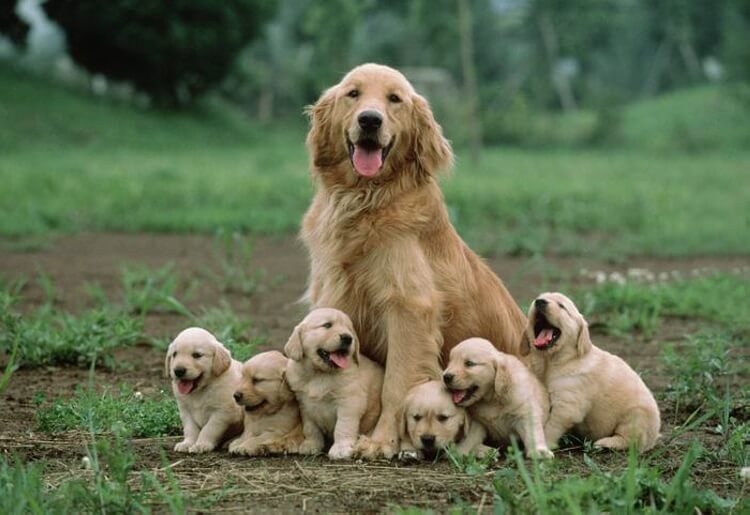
{"x":183,"y":446}
{"x":541,"y":453}
{"x":408,"y":455}
{"x":341,"y":451}
{"x":238,"y":447}
{"x":201,"y":447}
{"x":371,"y":449}
{"x":310,"y":447}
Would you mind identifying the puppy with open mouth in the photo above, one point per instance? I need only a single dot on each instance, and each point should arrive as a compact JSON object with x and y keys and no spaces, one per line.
{"x":338,"y":388}
{"x":431,"y":421}
{"x":272,"y":418}
{"x":500,"y":393}
{"x":591,"y":391}
{"x":204,"y":377}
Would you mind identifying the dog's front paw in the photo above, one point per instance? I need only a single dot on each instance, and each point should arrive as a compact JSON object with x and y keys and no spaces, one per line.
{"x":238,"y":447}
{"x":370,"y":448}
{"x":541,"y":453}
{"x":341,"y":451}
{"x":183,"y":446}
{"x":310,"y":447}
{"x":408,"y":455}
{"x":201,"y":447}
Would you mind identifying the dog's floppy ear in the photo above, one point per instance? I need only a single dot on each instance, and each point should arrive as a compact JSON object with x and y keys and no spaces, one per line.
{"x":293,"y":347}
{"x":464,"y":429}
{"x":168,"y":360}
{"x":320,"y":139}
{"x":222,"y":360}
{"x":403,"y":421}
{"x":285,"y":393}
{"x":432,"y":150}
{"x":502,"y":378}
{"x":355,"y":350}
{"x":583,"y":345}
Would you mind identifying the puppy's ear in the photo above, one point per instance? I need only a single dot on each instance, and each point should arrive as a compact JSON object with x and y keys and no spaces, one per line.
{"x":464,"y":429}
{"x":502,"y":378}
{"x":320,"y":139}
{"x":355,"y":350}
{"x":222,"y":360}
{"x":432,"y":150}
{"x":285,"y":393}
{"x":168,"y":361}
{"x":525,"y":346}
{"x":402,"y":419}
{"x":583,"y":345}
{"x":293,"y":347}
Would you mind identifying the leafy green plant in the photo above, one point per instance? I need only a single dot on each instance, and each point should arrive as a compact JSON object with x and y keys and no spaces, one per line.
{"x":233,"y":252}
{"x":149,"y":290}
{"x":471,"y":464}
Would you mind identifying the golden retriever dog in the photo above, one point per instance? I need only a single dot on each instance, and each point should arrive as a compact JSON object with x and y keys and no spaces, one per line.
{"x":204,"y":377}
{"x":500,"y":393}
{"x":272,"y":419}
{"x":430,"y":422}
{"x":381,"y":244}
{"x":337,"y":387}
{"x":591,"y":391}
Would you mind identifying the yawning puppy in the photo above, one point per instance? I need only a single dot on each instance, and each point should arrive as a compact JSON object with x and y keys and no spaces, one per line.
{"x":591,"y":391}
{"x":500,"y":393}
{"x":272,"y":420}
{"x":204,"y":377}
{"x":430,"y":422}
{"x":337,"y":388}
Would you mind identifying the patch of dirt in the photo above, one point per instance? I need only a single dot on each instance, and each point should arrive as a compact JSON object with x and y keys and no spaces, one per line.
{"x":279,"y":484}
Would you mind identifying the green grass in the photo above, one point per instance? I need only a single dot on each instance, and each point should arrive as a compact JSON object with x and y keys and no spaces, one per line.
{"x":124,"y":412}
{"x":74,"y":163}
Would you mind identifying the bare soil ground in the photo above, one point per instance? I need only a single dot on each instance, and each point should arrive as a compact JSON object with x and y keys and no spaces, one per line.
{"x":287,"y":484}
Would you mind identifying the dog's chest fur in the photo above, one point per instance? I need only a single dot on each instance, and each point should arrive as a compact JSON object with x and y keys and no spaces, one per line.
{"x":499,"y":422}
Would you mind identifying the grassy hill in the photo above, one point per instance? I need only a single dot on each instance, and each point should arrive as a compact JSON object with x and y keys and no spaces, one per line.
{"x":71,"y":162}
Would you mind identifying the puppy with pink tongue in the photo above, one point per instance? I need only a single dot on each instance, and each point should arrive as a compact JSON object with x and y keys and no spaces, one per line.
{"x":204,"y":377}
{"x":338,"y":389}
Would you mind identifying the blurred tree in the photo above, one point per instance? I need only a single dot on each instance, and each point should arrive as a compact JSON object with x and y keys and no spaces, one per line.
{"x":10,"y":24}
{"x":174,"y":51}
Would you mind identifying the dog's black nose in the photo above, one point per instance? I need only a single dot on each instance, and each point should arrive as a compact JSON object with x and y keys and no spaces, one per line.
{"x":447,"y":379}
{"x":237,"y":396}
{"x":428,"y":441}
{"x":540,"y":303}
{"x":370,"y":120}
{"x":179,"y":371}
{"x":346,"y":340}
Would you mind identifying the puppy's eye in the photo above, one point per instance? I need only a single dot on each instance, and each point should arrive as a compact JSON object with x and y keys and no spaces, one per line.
{"x":327,"y":325}
{"x":257,"y":380}
{"x":174,"y":354}
{"x":394,"y":98}
{"x":197,"y":355}
{"x":442,"y":418}
{"x":417,"y":418}
{"x":353,"y":93}
{"x":468,"y":363}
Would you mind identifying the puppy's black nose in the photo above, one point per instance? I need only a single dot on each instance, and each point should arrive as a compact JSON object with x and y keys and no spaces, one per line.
{"x":540,"y":303}
{"x":237,"y":397}
{"x":346,"y":340}
{"x":370,"y":120}
{"x":428,"y":441}
{"x":179,"y":371}
{"x":447,"y":379}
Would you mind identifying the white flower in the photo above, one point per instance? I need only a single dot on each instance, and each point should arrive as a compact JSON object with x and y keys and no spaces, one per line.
{"x":86,"y":462}
{"x":617,"y":277}
{"x":138,"y":396}
{"x":745,"y":473}
{"x":601,"y":277}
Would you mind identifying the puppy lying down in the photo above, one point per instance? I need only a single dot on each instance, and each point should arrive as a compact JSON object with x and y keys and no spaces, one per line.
{"x":204,"y":377}
{"x":591,"y":391}
{"x":272,"y":419}
{"x":500,"y":393}
{"x":338,"y":389}
{"x":430,"y":422}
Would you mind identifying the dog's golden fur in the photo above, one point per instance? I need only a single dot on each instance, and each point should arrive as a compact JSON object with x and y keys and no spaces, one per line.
{"x":272,"y":418}
{"x":430,"y":422}
{"x":500,"y":393}
{"x":382,"y":248}
{"x":593,"y":392}
{"x":209,"y":414}
{"x":339,"y":403}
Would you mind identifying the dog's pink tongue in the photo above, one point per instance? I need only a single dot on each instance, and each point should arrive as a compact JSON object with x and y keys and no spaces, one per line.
{"x":367,"y":162}
{"x":185,"y":386}
{"x":341,"y":360}
{"x":545,"y":336}
{"x":458,"y":396}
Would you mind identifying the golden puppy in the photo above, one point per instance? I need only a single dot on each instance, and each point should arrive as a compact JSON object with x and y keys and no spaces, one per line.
{"x":204,"y":377}
{"x":591,"y":391}
{"x":431,"y":422}
{"x":338,"y":388}
{"x":500,"y":393}
{"x":272,"y":419}
{"x":381,"y":244}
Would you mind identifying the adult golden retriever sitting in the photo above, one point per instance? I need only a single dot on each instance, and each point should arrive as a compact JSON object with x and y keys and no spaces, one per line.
{"x":382,"y":248}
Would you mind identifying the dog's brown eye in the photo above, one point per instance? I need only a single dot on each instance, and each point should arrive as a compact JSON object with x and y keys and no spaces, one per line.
{"x":468,"y":363}
{"x":327,"y":325}
{"x":353,"y":93}
{"x":394,"y":98}
{"x":417,"y":418}
{"x":442,"y":418}
{"x":197,"y":355}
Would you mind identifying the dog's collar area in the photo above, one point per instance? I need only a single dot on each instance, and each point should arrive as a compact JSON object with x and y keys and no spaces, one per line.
{"x":545,"y":334}
{"x":461,"y":396}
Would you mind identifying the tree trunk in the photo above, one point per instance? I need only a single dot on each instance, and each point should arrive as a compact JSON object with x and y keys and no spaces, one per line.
{"x":551,"y":48}
{"x":470,"y":78}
